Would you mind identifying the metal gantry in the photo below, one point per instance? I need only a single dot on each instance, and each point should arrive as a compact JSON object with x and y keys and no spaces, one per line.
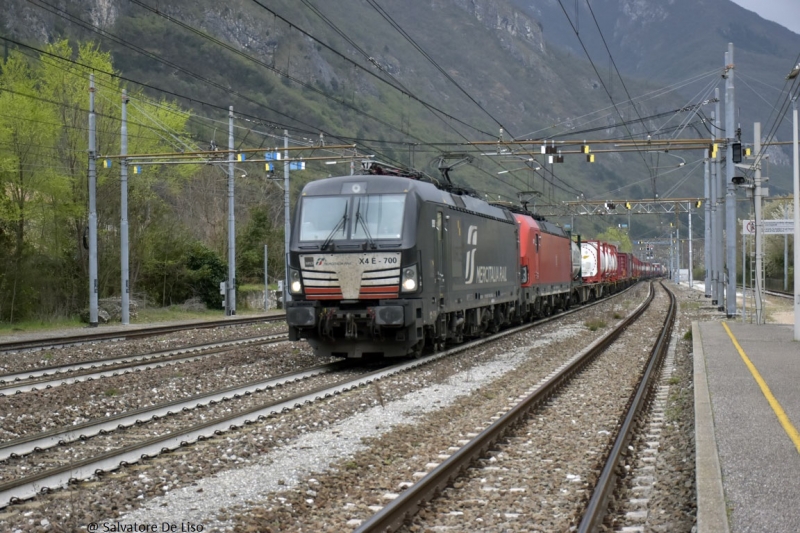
{"x":230,"y":158}
{"x":720,"y":189}
{"x":619,"y":207}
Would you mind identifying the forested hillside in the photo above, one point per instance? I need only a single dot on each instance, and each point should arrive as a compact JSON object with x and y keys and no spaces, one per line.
{"x":405,"y":82}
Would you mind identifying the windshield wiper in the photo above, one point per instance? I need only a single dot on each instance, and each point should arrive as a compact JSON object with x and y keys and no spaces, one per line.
{"x":336,"y":228}
{"x":359,"y":218}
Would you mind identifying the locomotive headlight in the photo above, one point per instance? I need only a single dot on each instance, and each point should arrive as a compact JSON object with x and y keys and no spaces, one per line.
{"x":409,"y":283}
{"x":295,"y":286}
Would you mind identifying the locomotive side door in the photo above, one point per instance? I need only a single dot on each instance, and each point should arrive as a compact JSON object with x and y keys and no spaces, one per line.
{"x":440,"y":264}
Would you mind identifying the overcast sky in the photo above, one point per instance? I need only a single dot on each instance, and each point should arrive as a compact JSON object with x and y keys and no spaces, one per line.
{"x":784,"y":12}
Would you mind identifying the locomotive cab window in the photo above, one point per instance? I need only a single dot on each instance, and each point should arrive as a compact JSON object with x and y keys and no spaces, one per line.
{"x":381,"y":214}
{"x":358,"y":217}
{"x":324,"y":216}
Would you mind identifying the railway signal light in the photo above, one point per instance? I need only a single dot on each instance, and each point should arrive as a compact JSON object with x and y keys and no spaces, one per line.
{"x":736,"y":150}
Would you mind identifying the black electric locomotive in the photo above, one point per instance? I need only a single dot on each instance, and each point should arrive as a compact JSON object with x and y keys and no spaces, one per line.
{"x":385,"y":265}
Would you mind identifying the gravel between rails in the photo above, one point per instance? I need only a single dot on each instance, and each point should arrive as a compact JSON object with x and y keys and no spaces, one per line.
{"x":540,"y":478}
{"x":67,"y":405}
{"x":663,"y":497}
{"x":231,"y":482}
{"x":15,"y":467}
{"x":37,"y":359}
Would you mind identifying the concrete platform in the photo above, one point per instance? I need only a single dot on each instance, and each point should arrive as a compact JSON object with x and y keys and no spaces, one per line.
{"x":747,"y":411}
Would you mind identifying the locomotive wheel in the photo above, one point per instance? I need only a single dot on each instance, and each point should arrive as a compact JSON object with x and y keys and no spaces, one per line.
{"x":416,"y":352}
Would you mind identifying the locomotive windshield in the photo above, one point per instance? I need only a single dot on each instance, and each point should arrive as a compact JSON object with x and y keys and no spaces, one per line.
{"x":340,"y":218}
{"x":324,"y":217}
{"x":381,"y":214}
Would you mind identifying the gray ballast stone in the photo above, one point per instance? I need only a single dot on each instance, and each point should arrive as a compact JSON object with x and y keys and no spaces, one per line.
{"x":312,"y":452}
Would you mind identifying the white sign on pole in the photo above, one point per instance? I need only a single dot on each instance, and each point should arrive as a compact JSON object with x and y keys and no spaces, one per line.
{"x":769,"y":227}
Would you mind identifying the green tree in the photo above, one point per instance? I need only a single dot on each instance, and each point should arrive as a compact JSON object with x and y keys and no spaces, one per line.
{"x":617,"y":236}
{"x":774,"y":244}
{"x":27,"y":130}
{"x":259,"y":231}
{"x":44,"y":184}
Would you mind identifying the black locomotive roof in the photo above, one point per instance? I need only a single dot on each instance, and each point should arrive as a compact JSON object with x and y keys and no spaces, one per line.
{"x":427,"y":192}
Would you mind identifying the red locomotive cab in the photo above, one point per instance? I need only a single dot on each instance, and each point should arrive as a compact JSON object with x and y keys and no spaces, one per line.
{"x":528,"y":230}
{"x":545,"y":257}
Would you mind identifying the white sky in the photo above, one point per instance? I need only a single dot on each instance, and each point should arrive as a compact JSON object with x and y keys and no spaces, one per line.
{"x":784,"y":12}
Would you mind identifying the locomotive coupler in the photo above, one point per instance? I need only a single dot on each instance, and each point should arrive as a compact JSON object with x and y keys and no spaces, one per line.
{"x":375,"y":330}
{"x":351,"y":328}
{"x":326,"y":323}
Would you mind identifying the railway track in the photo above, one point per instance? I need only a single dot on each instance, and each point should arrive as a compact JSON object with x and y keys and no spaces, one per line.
{"x":53,"y":376}
{"x":780,"y":294}
{"x":28,"y":486}
{"x":459,"y":459}
{"x":135,"y":332}
{"x":52,"y":469}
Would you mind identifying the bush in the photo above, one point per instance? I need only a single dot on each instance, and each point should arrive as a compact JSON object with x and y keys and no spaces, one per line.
{"x":182,"y":271}
{"x":205,"y":272}
{"x":594,"y":324}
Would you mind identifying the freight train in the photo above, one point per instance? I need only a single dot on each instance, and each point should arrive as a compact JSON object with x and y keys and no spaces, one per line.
{"x":385,"y":265}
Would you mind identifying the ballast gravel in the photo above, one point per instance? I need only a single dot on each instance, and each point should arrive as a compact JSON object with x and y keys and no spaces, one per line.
{"x":219,"y":482}
{"x":285,"y":467}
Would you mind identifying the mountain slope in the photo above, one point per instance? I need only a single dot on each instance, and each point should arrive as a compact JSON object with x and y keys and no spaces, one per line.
{"x":518,"y":61}
{"x":667,"y":42}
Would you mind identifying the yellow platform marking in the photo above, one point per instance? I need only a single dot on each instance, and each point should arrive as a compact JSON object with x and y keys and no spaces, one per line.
{"x":781,"y":414}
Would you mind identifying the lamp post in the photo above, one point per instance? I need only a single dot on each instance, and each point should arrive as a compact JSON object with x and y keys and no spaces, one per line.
{"x":796,"y":181}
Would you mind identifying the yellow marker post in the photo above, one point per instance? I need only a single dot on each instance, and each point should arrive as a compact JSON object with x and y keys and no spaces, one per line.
{"x":788,"y":427}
